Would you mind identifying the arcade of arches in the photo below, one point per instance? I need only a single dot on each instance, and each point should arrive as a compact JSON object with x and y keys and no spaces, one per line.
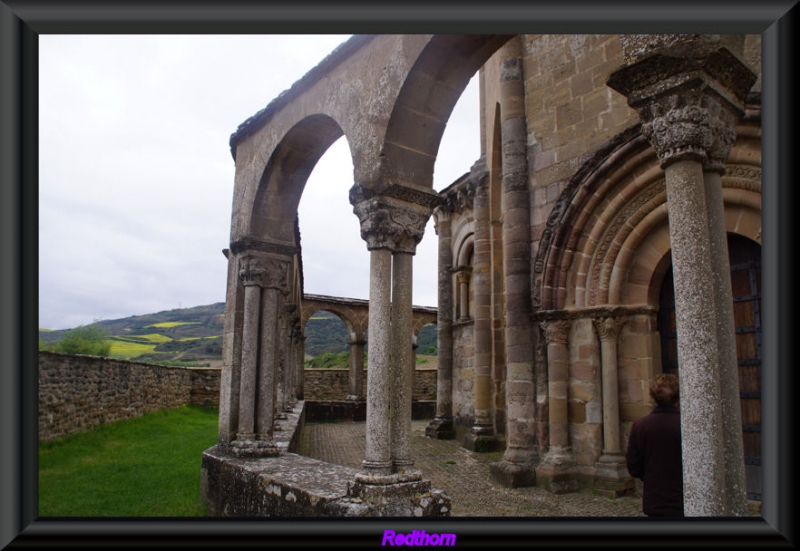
{"x":609,"y":231}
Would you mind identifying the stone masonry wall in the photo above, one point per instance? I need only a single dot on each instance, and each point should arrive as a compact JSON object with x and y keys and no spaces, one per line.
{"x":77,"y":393}
{"x":332,"y":384}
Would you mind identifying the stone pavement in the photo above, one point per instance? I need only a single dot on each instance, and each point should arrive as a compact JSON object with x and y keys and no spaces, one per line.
{"x":463,"y":475}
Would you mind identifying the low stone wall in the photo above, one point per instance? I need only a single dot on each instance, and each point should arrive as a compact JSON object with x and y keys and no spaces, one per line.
{"x":77,"y":393}
{"x":332,"y":384}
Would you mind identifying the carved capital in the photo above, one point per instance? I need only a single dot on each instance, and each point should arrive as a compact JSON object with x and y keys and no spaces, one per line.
{"x":676,"y":132}
{"x":608,"y":328}
{"x":689,"y":100}
{"x":556,"y":331}
{"x":463,"y":274}
{"x":269,"y":273}
{"x":388,"y":223}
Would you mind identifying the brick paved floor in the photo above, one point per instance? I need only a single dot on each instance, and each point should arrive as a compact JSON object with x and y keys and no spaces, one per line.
{"x":463,"y":476}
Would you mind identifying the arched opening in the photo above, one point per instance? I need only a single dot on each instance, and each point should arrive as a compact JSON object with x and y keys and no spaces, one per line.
{"x":326,"y":344}
{"x":335,"y":258}
{"x":745,"y":260}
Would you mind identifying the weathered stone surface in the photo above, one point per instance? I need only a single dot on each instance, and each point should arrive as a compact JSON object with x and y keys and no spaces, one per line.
{"x":77,"y":393}
{"x":291,"y":485}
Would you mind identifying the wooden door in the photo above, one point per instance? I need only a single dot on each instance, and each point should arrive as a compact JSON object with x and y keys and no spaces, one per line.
{"x":745,"y":259}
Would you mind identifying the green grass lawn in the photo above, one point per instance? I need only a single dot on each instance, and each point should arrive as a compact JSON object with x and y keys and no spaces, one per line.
{"x":143,"y":467}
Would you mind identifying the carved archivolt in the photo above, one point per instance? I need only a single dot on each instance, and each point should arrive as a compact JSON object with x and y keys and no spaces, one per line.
{"x":607,"y":211}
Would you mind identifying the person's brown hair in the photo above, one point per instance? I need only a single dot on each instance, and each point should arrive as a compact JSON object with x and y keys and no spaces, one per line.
{"x":664,"y":390}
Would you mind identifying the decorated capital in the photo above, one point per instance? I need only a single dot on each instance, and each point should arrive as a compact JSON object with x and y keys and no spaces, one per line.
{"x":395,"y":219}
{"x":689,"y":94}
{"x":556,"y":331}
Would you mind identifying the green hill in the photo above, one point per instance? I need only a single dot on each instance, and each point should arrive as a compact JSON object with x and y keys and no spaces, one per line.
{"x":194,"y":336}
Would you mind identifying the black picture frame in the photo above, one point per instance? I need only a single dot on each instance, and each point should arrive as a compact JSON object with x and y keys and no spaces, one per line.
{"x":21,"y":22}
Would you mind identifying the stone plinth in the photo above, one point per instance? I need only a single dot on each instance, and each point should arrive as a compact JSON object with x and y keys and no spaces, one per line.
{"x":291,"y":485}
{"x":513,"y":475}
{"x":441,"y":428}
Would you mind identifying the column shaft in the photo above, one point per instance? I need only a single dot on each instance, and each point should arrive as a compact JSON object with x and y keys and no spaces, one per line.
{"x":698,"y":357}
{"x":402,"y":360}
{"x":356,"y":378}
{"x":266,"y":375}
{"x":515,"y":208}
{"x":726,"y":341}
{"x":248,"y":383}
{"x":378,"y":460}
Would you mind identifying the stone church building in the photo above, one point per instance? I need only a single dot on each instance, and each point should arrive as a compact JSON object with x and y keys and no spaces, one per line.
{"x":610,"y":231}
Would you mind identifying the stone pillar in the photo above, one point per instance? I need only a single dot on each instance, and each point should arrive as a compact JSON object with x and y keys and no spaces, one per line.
{"x":442,"y":425}
{"x":462,"y":276}
{"x":517,"y":467}
{"x":254,"y":437}
{"x":378,"y":459}
{"x":402,"y":361}
{"x":281,"y":374}
{"x":611,"y":472}
{"x":481,"y":437}
{"x":301,"y":366}
{"x":726,"y":329}
{"x":556,"y":471}
{"x":392,"y":228}
{"x":689,"y":96}
{"x":356,"y":378}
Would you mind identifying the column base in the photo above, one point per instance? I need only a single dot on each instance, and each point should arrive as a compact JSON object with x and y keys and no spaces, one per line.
{"x":399,"y":495}
{"x":557,"y":472}
{"x":513,"y":475}
{"x":611,"y":476}
{"x":441,"y":428}
{"x":481,"y":439}
{"x":354,"y":398}
{"x":254,"y":445}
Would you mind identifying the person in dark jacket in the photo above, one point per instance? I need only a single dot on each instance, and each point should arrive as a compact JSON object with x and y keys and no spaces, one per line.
{"x":654,"y":451}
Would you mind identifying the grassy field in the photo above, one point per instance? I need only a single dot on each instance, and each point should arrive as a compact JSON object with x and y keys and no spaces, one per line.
{"x":143,"y":467}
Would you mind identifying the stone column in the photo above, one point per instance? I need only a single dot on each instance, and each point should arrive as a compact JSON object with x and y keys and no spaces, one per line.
{"x":689,"y":96}
{"x":726,"y":329}
{"x":268,"y":372}
{"x":378,"y":459}
{"x":301,"y":366}
{"x":253,"y":437}
{"x":462,"y":276}
{"x":481,"y":437}
{"x":612,"y":473}
{"x":556,"y":471}
{"x":402,"y":361}
{"x":442,"y":425}
{"x":392,"y":228}
{"x":356,"y":378}
{"x":516,"y":468}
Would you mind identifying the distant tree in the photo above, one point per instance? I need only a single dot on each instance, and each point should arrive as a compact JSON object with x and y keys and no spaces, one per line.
{"x":85,"y":339}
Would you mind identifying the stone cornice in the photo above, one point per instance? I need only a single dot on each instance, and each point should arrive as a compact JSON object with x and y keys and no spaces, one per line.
{"x":248,"y":243}
{"x":617,"y":311}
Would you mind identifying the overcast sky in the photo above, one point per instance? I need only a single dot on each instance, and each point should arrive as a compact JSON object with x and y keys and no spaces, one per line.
{"x":136,"y":176}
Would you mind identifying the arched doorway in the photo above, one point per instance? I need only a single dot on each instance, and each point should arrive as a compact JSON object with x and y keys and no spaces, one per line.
{"x":745,"y":260}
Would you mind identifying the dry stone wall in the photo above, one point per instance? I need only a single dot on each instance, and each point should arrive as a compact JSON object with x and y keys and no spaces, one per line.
{"x":77,"y":393}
